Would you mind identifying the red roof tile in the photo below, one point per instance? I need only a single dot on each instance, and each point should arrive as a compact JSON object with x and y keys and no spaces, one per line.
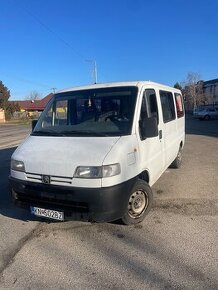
{"x":34,"y":105}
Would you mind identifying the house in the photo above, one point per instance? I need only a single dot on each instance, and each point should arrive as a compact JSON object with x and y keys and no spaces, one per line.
{"x":210,"y":90}
{"x":34,"y":105}
{"x":31,"y":108}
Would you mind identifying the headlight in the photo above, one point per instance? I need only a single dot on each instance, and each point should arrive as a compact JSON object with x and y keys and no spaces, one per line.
{"x":111,"y":170}
{"x":97,"y":171}
{"x":17,"y":165}
{"x":88,"y":172}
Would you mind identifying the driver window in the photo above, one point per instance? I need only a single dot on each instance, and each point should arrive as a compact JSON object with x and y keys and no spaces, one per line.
{"x":149,"y":105}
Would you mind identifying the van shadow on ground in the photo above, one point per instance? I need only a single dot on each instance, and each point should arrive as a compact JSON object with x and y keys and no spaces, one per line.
{"x":6,"y":206}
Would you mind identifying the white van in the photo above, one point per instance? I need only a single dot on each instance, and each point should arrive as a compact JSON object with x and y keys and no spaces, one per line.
{"x":96,"y":151}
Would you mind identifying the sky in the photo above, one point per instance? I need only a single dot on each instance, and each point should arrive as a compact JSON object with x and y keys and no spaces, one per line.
{"x":49,"y":44}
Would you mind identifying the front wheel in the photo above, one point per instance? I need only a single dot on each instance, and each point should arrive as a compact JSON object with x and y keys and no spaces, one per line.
{"x":139,"y":204}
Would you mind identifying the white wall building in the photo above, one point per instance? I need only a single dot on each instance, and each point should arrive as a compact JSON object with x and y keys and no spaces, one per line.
{"x":2,"y":116}
{"x":210,"y":89}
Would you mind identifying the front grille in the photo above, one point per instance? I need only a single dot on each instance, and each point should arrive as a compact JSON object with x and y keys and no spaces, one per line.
{"x":56,"y":180}
{"x":56,"y":201}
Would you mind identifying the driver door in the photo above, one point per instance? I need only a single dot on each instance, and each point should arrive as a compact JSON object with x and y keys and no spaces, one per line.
{"x":151,"y":148}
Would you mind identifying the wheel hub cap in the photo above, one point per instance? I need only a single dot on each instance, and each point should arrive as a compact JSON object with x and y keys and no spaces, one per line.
{"x":137,"y":203}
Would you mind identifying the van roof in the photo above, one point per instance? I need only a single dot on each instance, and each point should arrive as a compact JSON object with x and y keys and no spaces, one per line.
{"x":117,"y":84}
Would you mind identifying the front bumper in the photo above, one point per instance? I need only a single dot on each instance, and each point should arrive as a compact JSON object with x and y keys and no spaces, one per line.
{"x":90,"y":204}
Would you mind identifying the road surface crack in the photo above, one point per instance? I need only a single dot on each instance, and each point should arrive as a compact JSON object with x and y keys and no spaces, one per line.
{"x":8,"y":259}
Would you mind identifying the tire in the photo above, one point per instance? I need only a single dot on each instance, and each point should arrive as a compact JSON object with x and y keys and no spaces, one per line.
{"x":178,"y":160}
{"x":207,"y":117}
{"x":139,"y":204}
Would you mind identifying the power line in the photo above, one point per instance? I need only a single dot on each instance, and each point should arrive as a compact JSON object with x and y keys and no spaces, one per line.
{"x":46,"y":27}
{"x":20,"y":79}
{"x":53,"y":89}
{"x":27,"y":92}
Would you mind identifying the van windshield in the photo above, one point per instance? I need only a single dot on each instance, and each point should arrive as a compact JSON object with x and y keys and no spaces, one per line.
{"x":94,"y":112}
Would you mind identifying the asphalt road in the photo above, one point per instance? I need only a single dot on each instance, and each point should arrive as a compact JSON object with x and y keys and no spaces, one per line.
{"x":174,"y":248}
{"x":11,"y":135}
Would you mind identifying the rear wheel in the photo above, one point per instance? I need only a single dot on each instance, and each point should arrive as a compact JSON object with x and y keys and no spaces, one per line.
{"x":139,"y":204}
{"x":178,"y":160}
{"x":207,"y":117}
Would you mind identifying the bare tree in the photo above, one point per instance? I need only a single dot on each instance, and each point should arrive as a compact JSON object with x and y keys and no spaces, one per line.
{"x":34,"y":95}
{"x":193,"y":90}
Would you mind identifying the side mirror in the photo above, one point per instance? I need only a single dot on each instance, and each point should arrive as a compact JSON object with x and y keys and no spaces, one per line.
{"x":34,"y":122}
{"x":148,"y":128}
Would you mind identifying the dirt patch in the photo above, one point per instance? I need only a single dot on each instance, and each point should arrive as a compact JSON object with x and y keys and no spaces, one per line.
{"x":188,"y":206}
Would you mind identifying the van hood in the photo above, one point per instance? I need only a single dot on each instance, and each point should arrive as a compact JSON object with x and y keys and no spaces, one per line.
{"x":59,"y":156}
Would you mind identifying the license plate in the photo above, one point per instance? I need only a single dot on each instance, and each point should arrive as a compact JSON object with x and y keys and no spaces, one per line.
{"x":48,"y":213}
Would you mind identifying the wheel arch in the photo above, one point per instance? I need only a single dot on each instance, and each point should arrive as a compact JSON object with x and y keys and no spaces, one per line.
{"x":144,"y":175}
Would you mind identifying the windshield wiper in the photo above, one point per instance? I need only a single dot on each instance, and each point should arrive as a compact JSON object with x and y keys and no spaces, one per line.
{"x":46,"y":133}
{"x":70,"y":133}
{"x":84,"y":133}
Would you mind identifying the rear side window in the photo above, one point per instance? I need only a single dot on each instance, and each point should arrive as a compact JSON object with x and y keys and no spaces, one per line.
{"x":179,"y":105}
{"x":168,"y":107}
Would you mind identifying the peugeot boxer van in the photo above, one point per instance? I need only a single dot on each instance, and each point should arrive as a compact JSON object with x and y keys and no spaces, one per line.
{"x":96,"y":151}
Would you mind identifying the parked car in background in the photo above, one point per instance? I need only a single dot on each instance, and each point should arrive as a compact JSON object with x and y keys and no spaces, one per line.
{"x":207,"y":113}
{"x":196,"y":111}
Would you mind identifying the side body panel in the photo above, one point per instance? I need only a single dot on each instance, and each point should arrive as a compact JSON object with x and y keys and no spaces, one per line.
{"x":157,"y":153}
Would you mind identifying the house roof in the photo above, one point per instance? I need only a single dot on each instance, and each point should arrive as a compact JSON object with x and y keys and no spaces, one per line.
{"x":211,"y":82}
{"x":34,"y":105}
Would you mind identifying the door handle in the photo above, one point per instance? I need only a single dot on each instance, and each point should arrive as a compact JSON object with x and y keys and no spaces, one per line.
{"x":160,"y":134}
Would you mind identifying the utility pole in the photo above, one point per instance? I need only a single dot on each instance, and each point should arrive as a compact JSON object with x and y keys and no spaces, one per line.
{"x":94,"y":70}
{"x":53,"y":89}
{"x":95,"y":73}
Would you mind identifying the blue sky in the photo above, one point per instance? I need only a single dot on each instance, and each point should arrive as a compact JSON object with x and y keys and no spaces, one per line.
{"x":45,"y":43}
